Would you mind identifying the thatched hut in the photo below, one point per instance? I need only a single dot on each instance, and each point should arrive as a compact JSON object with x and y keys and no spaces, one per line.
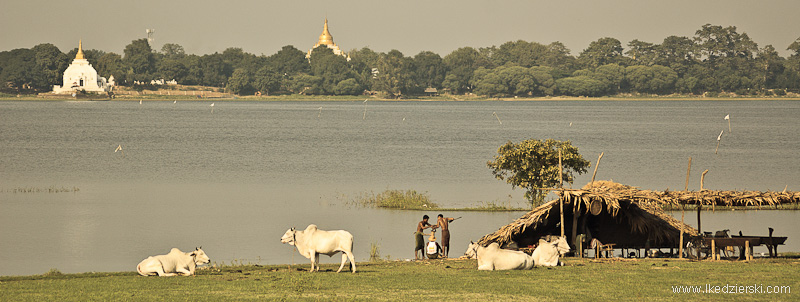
{"x":624,"y":215}
{"x":607,"y":211}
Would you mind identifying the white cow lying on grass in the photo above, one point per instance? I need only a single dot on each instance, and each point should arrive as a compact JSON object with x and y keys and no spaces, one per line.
{"x":312,"y":242}
{"x":492,"y":258}
{"x":173,"y":264}
{"x":546,"y":253}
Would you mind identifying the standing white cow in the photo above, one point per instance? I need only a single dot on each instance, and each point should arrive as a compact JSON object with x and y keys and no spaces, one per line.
{"x":546,"y":253}
{"x":492,"y":258}
{"x":173,"y":264}
{"x":312,"y":242}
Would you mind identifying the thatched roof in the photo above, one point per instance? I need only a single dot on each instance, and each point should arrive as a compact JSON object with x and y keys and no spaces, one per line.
{"x":611,"y":190}
{"x":642,"y":208}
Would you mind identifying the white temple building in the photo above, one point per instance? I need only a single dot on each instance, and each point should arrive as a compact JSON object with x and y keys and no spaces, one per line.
{"x":326,"y":39}
{"x":81,"y":76}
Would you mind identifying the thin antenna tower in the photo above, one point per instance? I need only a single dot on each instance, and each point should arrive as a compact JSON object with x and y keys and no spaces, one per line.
{"x":150,"y":34}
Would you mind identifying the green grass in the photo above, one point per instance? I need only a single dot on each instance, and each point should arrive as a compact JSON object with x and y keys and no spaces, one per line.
{"x":650,"y":279}
{"x":395,"y":199}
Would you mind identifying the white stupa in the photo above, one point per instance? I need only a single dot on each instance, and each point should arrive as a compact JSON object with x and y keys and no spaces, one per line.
{"x":81,"y":76}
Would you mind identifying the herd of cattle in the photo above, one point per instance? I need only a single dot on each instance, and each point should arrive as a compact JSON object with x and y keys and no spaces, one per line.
{"x":313,"y":242}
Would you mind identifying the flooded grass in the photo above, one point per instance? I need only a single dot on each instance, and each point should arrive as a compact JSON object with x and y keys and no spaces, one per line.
{"x":395,"y":199}
{"x":51,"y":189}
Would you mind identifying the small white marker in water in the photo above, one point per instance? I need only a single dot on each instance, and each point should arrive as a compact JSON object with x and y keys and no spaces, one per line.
{"x":320,"y":112}
{"x":498,"y":118}
{"x":212,"y":107}
{"x":728,"y":118}
{"x":119,"y":148}
{"x":718,"y":139}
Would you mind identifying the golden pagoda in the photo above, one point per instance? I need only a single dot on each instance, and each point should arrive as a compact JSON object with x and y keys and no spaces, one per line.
{"x":327,"y":39}
{"x":80,"y":56}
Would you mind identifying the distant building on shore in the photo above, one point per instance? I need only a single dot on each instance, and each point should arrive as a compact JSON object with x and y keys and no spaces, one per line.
{"x":326,"y":39}
{"x":81,"y":76}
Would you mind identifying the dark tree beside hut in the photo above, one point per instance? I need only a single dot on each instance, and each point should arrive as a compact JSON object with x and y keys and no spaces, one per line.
{"x":533,"y":165}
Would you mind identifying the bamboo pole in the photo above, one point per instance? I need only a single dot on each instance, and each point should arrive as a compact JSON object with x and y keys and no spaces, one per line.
{"x":683,"y":210}
{"x":595,"y":168}
{"x":713,"y":250}
{"x":747,"y":255}
{"x":561,"y":185}
{"x":700,"y":202}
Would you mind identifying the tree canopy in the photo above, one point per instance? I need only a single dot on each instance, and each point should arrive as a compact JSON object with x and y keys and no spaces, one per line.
{"x":533,"y":165}
{"x":716,"y":59}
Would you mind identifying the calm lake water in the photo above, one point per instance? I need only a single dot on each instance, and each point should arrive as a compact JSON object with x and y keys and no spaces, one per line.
{"x":234,"y":180}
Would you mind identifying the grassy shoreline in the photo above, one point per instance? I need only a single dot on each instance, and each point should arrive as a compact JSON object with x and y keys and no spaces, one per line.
{"x":456,"y":98}
{"x":615,"y":279}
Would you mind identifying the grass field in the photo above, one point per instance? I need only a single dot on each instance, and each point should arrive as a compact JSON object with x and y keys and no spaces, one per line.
{"x":584,"y":279}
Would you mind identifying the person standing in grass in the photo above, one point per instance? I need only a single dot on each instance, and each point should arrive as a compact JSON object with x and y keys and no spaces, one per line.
{"x":444,"y":223}
{"x":420,"y":242}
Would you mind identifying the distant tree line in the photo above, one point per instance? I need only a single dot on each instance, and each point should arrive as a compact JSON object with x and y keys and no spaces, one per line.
{"x":717,"y":59}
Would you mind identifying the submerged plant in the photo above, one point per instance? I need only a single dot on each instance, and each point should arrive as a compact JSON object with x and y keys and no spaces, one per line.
{"x":396,"y":199}
{"x":374,"y":252}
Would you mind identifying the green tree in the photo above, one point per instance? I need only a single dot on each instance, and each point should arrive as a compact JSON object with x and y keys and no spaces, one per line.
{"x":429,"y":70}
{"x":305,"y":84}
{"x":641,"y":53}
{"x":362,"y":62}
{"x":173,"y":51}
{"x":533,"y":165}
{"x":772,"y":66}
{"x":601,"y":52}
{"x":461,"y":65}
{"x":651,"y":79}
{"x":395,"y":74}
{"x":215,"y":71}
{"x":110,"y":64}
{"x":330,"y":67}
{"x":581,"y":86}
{"x":268,"y":80}
{"x":19,"y":72}
{"x":171,"y":68}
{"x":522,"y":53}
{"x":558,"y":57}
{"x":139,"y":57}
{"x":52,"y":63}
{"x":241,"y":82}
{"x":348,"y":87}
{"x":289,"y":61}
{"x":612,"y":75}
{"x":677,"y":53}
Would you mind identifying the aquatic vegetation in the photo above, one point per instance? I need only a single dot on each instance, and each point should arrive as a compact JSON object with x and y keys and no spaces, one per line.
{"x":396,"y":199}
{"x":51,"y":189}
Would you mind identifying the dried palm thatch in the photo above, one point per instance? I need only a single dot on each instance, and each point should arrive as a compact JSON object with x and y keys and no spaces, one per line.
{"x":704,"y":197}
{"x":640,"y":209}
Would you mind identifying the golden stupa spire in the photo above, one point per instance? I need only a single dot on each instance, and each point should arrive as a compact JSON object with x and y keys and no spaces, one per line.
{"x":80,"y":56}
{"x":325,"y":38}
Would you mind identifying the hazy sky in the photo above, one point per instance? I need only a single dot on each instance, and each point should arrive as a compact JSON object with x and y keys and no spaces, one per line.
{"x":411,"y":26}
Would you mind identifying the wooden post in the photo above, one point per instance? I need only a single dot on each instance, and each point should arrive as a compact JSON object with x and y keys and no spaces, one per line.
{"x":713,"y":250}
{"x":560,"y":185}
{"x":700,"y":202}
{"x":575,"y":211}
{"x":595,"y":169}
{"x":683,"y":208}
{"x":747,"y":255}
